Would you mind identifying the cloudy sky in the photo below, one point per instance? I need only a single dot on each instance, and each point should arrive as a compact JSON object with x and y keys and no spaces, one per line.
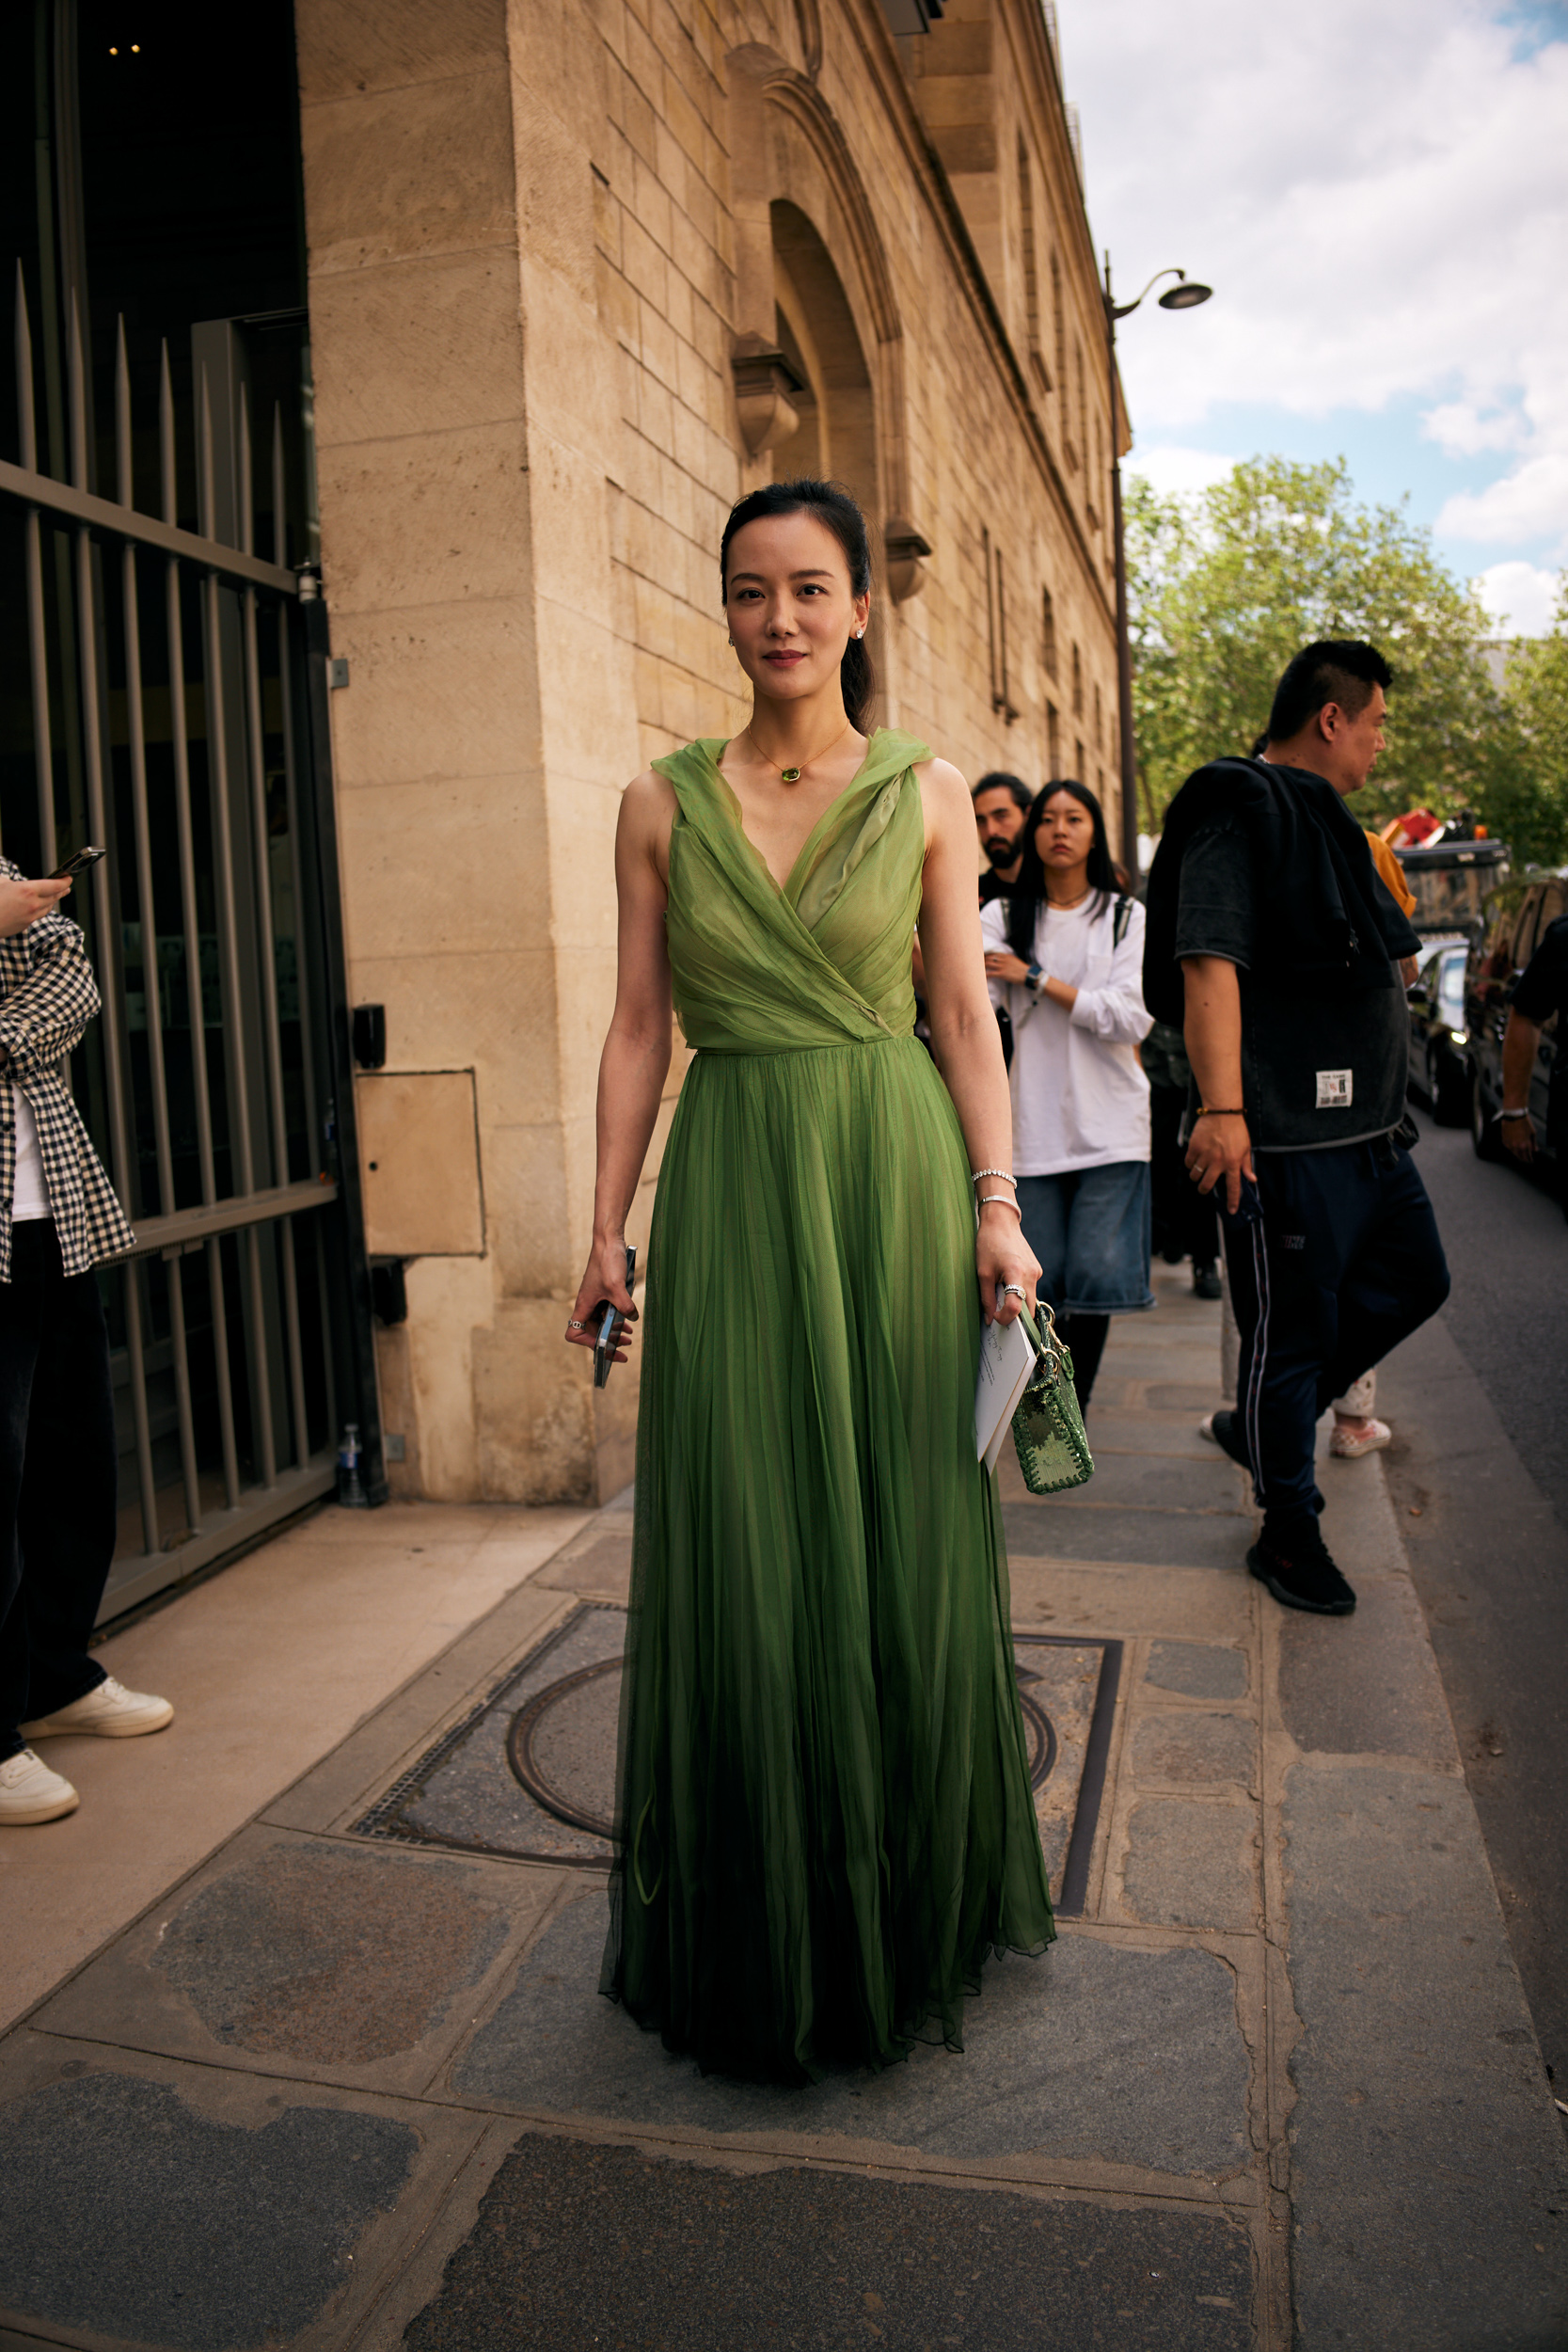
{"x":1378,"y":192}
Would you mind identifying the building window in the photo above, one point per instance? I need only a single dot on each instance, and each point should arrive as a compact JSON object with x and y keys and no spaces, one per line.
{"x":1048,"y":632}
{"x":1082,"y":767}
{"x":996,"y":623}
{"x":1058,"y":318}
{"x":1078,"y":690}
{"x":1083,"y":400}
{"x":1030,"y":270}
{"x":1053,"y":740}
{"x":1099,"y":719}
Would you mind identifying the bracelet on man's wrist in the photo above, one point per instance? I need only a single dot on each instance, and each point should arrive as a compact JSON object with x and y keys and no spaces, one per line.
{"x":1523,"y":1112}
{"x":1209,"y":1111}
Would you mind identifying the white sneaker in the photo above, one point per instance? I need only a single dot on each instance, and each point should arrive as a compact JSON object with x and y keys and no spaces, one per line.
{"x":110,"y":1712}
{"x":1346,"y":1444}
{"x":29,"y":1791}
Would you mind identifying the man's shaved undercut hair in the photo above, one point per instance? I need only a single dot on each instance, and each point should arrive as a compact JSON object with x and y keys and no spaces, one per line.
{"x":1341,"y":670}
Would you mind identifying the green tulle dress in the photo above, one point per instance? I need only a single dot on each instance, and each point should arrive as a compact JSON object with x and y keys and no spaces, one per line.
{"x":824,"y":1816}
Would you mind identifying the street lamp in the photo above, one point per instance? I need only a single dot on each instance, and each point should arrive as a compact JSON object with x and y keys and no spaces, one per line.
{"x":1185,"y":294}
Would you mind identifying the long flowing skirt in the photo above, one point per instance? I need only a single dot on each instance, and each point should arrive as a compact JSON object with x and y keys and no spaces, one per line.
{"x":824,"y":1814}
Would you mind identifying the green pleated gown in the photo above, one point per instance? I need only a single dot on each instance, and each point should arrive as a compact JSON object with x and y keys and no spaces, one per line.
{"x":824,"y":1819}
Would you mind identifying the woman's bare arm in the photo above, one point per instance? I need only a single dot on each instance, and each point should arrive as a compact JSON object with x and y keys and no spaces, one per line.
{"x":964,"y":1036}
{"x":635,"y":1058}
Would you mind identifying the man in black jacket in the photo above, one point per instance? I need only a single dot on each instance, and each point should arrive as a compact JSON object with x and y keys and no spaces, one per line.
{"x":1273,"y":940}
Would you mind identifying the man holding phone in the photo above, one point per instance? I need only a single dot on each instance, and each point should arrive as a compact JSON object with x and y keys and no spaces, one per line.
{"x":58,"y":1456}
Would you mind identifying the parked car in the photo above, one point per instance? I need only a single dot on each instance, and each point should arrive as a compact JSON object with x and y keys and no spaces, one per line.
{"x":1450,"y":880}
{"x":1439,"y":1066}
{"x":1515,"y":917}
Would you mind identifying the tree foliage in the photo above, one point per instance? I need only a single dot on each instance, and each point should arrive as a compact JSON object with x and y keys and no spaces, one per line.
{"x":1535,"y":819}
{"x":1223,"y":588}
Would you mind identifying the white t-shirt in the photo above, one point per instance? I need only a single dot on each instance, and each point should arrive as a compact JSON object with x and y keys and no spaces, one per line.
{"x":29,"y":1195}
{"x":1080,"y":1097}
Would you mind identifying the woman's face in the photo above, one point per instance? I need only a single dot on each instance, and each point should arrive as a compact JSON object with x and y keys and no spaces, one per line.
{"x":789,"y":605}
{"x":1065,"y":834}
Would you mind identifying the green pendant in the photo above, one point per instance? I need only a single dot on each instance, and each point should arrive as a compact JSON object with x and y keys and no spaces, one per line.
{"x":790,"y":775}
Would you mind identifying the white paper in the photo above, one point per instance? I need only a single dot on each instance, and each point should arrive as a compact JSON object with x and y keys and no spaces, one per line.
{"x":1006,"y":1360}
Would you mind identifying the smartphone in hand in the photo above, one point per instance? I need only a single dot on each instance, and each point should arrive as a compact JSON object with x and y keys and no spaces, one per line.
{"x":611,"y":1323}
{"x":74,"y":865}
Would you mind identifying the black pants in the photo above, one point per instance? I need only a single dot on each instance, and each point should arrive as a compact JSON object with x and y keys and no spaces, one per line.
{"x":58,"y":1471}
{"x":1184,"y":1222}
{"x":1334,"y":1257}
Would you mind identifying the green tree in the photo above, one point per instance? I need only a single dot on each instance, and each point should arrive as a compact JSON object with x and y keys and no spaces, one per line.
{"x":1223,"y":588}
{"x":1533,"y":815}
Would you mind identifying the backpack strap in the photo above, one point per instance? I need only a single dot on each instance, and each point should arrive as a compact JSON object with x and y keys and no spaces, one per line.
{"x":1121,"y":920}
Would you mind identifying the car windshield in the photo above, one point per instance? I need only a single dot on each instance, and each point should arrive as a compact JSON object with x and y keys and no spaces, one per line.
{"x":1450,"y":983}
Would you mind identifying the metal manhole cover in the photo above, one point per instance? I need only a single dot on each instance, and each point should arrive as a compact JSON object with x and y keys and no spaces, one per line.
{"x":561,"y":1746}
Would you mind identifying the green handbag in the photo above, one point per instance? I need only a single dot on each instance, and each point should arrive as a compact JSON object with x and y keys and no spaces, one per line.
{"x":1048,"y":1427}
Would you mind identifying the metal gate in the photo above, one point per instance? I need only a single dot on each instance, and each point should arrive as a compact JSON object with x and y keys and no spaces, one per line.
{"x":176,"y":695}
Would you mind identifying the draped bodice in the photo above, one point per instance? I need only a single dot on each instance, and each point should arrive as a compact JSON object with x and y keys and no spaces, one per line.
{"x":824,"y":961}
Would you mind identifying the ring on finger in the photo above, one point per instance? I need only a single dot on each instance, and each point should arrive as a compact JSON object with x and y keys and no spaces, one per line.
{"x":573,"y":1325}
{"x":1015,"y":1290}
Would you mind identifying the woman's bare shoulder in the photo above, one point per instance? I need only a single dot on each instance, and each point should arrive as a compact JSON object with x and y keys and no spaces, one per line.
{"x":943,"y":798}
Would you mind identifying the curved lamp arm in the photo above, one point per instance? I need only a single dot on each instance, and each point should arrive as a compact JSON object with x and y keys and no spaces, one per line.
{"x":1125,"y":309}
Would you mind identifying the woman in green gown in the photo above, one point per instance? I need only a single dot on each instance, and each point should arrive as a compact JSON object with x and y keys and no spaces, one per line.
{"x":824,"y":1819}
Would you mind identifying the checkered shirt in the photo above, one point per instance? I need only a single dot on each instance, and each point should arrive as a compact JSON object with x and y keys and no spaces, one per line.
{"x":47,"y":997}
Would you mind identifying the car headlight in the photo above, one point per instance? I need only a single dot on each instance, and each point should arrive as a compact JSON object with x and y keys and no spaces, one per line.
{"x":1458,"y":1035}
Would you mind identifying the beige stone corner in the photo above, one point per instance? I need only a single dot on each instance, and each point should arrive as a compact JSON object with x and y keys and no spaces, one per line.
{"x":544,"y":1432}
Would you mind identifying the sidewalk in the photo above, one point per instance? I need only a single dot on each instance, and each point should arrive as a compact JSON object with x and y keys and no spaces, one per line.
{"x":338,"y":2074}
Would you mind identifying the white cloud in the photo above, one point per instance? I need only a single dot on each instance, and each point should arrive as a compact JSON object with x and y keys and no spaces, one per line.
{"x":1521,"y":598}
{"x":1378,"y":197}
{"x":1173,"y":469}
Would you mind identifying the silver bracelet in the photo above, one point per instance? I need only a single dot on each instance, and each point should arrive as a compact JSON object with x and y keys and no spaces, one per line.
{"x":979,"y":1175}
{"x":1006,"y":1200}
{"x":1523,"y":1112}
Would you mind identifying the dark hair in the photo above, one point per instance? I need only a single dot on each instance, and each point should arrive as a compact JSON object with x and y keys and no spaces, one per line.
{"x":1025,"y":898}
{"x":999,"y":781}
{"x":1341,"y":670}
{"x":834,"y":506}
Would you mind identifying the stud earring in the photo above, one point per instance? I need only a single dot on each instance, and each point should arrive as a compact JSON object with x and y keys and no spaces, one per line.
{"x":860,"y":632}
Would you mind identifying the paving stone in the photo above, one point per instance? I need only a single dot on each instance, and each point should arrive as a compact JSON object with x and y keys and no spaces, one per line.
{"x":328,"y":1956}
{"x":1428,"y":2172}
{"x":1094,"y":2049}
{"x":1168,"y":1482}
{"x":1200,"y":1749}
{"x":1191,"y":1865}
{"x":600,"y":1562}
{"x":1185,"y":1396}
{"x":323,"y":1952}
{"x":1149,"y":1433}
{"x":125,"y":2212}
{"x":1365,"y":1685}
{"x":578,"y":2244}
{"x":1198,"y":1670}
{"x":1054,"y":1528}
{"x":1099,"y":1597}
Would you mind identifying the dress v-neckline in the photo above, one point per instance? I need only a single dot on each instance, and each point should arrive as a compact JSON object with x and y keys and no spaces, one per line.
{"x":786,"y":888}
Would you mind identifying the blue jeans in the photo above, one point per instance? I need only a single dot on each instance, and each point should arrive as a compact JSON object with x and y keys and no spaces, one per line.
{"x":58,"y":1470}
{"x":1089,"y":1228}
{"x":1334,"y":1257}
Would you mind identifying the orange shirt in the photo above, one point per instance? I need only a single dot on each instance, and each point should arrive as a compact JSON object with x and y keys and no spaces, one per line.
{"x":1393,"y":874}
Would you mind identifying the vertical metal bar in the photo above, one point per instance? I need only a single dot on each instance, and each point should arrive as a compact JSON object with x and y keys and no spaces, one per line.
{"x":190,"y":1470}
{"x":190,"y":916}
{"x":38,"y":640}
{"x":267,"y":926}
{"x":220,"y":1357}
{"x":323,"y":1309}
{"x":189,"y":910}
{"x":227,"y":949}
{"x":291,"y":779}
{"x":113,"y":1012}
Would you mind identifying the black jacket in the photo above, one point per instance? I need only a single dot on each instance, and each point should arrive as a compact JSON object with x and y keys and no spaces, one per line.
{"x":1333,"y":927}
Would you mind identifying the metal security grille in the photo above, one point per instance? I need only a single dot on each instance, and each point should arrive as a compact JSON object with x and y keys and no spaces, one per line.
{"x":175,"y":697}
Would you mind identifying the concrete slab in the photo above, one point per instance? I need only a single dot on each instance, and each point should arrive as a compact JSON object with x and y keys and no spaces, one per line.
{"x":1429,"y":2173}
{"x":796,"y":2256}
{"x":1098,"y":2049}
{"x":1365,"y":1685}
{"x":329,"y":1962}
{"x":1197,"y":1749}
{"x":1192,"y":1865}
{"x":599,"y":1562}
{"x":1147,"y":1432}
{"x":1199,"y":1481}
{"x":1119,"y":1597}
{"x":201,"y":2211}
{"x":1085,"y":1531}
{"x":269,"y":1665}
{"x":1198,"y":1670}
{"x":1197,"y":1396}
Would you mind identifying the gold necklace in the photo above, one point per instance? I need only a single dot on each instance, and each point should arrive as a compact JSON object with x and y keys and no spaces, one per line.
{"x":792,"y":775}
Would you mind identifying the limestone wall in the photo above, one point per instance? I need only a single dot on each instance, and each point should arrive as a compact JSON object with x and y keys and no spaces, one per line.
{"x":538,"y":232}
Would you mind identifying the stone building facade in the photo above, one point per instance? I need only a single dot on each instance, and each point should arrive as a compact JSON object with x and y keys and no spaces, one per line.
{"x":582,"y":272}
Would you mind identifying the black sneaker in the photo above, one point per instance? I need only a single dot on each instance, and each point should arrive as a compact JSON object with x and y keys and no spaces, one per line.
{"x":1292,"y":1560}
{"x":1206,"y":1282}
{"x":1224,"y":1429}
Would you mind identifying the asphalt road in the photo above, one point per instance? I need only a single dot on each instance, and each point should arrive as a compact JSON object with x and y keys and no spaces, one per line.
{"x":1479,"y":1474}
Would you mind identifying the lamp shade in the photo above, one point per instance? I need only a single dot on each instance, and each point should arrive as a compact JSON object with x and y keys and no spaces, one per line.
{"x":1186,"y":296}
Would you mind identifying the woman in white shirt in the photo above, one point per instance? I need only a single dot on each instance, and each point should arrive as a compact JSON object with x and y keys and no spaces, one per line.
{"x":1064,"y":954}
